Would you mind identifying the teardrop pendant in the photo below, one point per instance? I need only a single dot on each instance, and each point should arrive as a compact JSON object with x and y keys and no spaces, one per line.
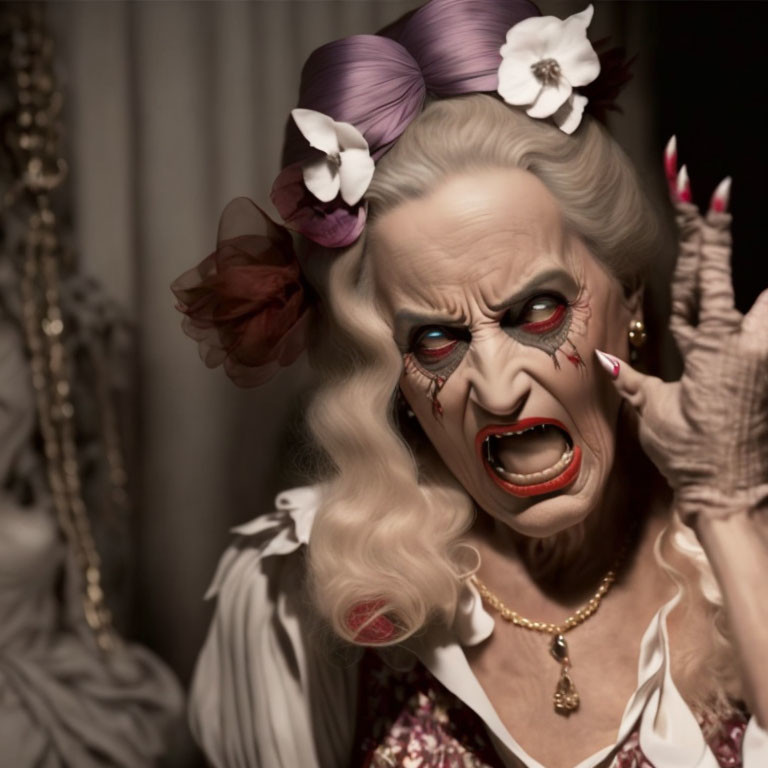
{"x":566,"y":696}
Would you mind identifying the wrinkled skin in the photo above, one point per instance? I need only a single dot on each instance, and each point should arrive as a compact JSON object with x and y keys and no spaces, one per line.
{"x":454,"y":259}
{"x":708,"y":432}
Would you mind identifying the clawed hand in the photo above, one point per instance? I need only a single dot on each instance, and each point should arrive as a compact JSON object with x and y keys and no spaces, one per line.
{"x":708,"y":432}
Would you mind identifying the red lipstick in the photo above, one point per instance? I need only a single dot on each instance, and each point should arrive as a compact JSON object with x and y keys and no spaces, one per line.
{"x":565,"y":478}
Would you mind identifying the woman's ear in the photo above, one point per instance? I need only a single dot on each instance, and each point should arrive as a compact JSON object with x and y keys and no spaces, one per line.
{"x":634,"y":302}
{"x":636,"y":331}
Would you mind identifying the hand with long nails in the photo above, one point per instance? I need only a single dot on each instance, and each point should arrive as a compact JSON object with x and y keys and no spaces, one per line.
{"x":708,"y":432}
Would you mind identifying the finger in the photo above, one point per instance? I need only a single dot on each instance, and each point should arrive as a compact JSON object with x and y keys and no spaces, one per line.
{"x":717,"y":309}
{"x":756,"y":320}
{"x":656,"y":404}
{"x":685,"y":278}
{"x":682,"y":317}
{"x":633,"y":386}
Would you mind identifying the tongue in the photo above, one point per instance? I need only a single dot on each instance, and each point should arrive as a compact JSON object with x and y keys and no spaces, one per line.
{"x":530,"y":452}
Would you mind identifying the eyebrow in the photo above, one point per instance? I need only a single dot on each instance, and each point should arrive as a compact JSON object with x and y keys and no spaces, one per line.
{"x":550,"y":275}
{"x":406,"y":319}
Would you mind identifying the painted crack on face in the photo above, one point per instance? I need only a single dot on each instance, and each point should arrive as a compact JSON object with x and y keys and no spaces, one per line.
{"x":436,"y":383}
{"x":580,"y":313}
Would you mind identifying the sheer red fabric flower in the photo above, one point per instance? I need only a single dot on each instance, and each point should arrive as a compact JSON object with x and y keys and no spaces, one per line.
{"x":246,"y":303}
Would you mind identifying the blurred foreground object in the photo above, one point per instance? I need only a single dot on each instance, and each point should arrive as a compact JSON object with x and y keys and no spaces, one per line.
{"x":72,"y":693}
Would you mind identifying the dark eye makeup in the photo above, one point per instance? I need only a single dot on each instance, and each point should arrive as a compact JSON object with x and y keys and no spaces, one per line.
{"x":542,"y":314}
{"x":540,"y":321}
{"x":439,"y":348}
{"x":434,"y":342}
{"x":543,"y":321}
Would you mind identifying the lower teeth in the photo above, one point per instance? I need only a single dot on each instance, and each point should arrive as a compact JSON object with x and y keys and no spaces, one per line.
{"x":537,"y":477}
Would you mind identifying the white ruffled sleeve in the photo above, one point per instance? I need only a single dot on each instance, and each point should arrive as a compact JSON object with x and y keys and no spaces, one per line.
{"x":268,"y":690}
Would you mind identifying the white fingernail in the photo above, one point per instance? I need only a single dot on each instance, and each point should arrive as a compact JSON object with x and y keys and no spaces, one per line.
{"x":721,"y":196}
{"x":609,"y":362}
{"x":670,"y":150}
{"x":684,"y":184}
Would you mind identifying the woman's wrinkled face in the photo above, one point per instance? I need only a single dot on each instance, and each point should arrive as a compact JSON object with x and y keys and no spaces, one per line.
{"x":498,"y":309}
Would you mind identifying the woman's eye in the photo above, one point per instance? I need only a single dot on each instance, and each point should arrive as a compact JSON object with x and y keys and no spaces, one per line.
{"x":542,"y":314}
{"x":433,"y":344}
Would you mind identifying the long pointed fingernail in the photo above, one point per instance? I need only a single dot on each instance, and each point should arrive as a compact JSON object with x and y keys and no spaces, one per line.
{"x":670,"y":162}
{"x":721,"y":196}
{"x":683,"y":185}
{"x":609,"y":362}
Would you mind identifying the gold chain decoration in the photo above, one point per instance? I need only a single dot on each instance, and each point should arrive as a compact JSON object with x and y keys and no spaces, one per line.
{"x":32,"y":136}
{"x":566,"y":698}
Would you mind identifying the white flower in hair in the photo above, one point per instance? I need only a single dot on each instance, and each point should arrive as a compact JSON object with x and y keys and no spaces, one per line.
{"x":543,"y":60}
{"x":347,"y":166}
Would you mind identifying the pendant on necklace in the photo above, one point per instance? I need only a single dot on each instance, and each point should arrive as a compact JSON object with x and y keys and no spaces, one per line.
{"x":566,"y":697}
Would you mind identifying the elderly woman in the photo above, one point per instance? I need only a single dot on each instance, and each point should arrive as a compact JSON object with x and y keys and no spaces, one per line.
{"x":551,"y":558}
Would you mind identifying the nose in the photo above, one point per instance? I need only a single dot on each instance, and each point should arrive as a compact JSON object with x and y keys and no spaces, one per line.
{"x":498,"y":383}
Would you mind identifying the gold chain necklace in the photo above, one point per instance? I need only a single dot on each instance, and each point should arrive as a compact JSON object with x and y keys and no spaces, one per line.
{"x":566,"y":698}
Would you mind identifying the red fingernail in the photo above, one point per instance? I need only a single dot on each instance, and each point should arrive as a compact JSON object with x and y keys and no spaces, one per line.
{"x":721,"y":196}
{"x":609,"y":362}
{"x":375,"y":632}
{"x":683,"y":185}
{"x":670,"y":163}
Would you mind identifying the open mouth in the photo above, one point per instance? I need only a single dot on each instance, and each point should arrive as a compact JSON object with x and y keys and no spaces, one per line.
{"x":529,"y":457}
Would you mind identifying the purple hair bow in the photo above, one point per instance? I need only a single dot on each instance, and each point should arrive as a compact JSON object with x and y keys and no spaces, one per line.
{"x":378,"y":84}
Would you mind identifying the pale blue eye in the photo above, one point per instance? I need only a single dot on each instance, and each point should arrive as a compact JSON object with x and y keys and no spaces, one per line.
{"x":440,"y":348}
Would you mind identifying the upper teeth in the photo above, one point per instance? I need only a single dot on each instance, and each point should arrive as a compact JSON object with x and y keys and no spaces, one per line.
{"x":533,"y":477}
{"x":520,"y":431}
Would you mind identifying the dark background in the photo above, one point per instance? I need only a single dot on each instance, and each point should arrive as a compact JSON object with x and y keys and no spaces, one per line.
{"x":710,"y":70}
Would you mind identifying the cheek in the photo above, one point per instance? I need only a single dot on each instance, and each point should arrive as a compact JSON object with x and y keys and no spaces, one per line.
{"x":418,"y":383}
{"x":609,"y":323}
{"x":444,"y":431}
{"x":592,"y":399}
{"x":598,"y":414}
{"x":600,"y":428}
{"x":414,"y":387}
{"x":438,"y":415}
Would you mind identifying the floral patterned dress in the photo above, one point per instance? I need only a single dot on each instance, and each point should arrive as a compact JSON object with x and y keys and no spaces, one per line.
{"x":410,"y":720}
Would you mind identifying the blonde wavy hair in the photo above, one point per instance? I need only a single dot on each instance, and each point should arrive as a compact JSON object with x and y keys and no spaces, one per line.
{"x":389,"y":529}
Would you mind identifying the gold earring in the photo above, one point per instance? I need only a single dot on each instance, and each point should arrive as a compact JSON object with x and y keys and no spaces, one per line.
{"x":637,"y":338}
{"x":637,"y":334}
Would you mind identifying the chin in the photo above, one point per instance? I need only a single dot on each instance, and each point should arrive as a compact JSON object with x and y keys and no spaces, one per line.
{"x":547,"y":515}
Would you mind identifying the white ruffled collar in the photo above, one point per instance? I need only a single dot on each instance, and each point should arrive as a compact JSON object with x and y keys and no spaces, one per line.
{"x":472,"y":623}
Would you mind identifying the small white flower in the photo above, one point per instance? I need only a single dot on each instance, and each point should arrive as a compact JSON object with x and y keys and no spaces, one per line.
{"x":543,"y":60}
{"x":347,"y":165}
